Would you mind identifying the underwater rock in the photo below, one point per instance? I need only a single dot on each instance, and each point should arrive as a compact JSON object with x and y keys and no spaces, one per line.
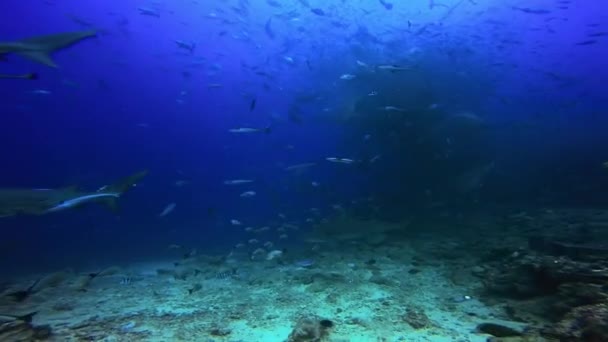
{"x":557,"y":288}
{"x":310,"y":329}
{"x":497,"y":330}
{"x":530,"y":338}
{"x":585,"y":323}
{"x":362,"y":322}
{"x":219,"y":331}
{"x":536,"y":275}
{"x":573,"y":295}
{"x":197,"y":287}
{"x":23,"y":331}
{"x":417,"y":318}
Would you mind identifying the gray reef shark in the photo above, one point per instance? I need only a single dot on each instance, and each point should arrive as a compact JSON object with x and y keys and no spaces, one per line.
{"x":40,"y":48}
{"x":43,"y":201}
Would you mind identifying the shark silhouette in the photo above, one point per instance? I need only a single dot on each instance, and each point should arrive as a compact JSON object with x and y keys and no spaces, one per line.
{"x":44,"y":201}
{"x":30,"y":76}
{"x":40,"y":48}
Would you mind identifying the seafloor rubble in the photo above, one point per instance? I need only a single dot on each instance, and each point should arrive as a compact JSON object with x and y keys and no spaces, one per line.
{"x":525,"y":276}
{"x":560,"y":280}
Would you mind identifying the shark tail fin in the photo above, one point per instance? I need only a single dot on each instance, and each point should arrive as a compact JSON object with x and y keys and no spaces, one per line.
{"x":125,"y":184}
{"x":40,"y":48}
{"x":40,"y":56}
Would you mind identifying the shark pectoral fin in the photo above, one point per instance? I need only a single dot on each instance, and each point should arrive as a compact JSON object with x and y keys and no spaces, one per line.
{"x":39,"y":56}
{"x":110,"y":203}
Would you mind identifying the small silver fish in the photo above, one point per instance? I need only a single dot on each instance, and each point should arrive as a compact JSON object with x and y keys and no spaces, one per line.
{"x":393,"y":109}
{"x":392,"y":68}
{"x":348,"y":77}
{"x":299,"y":166}
{"x":250,"y":130}
{"x":237,"y":181}
{"x":40,"y":92}
{"x":168,"y":209}
{"x":340,"y":160}
{"x":181,"y":182}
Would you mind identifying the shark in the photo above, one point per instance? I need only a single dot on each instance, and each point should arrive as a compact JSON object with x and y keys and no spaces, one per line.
{"x":40,"y":48}
{"x":30,"y":76}
{"x":45,"y":201}
{"x":190,"y":46}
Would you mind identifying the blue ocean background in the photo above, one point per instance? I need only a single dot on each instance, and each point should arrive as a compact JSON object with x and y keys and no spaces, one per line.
{"x":130,"y":99}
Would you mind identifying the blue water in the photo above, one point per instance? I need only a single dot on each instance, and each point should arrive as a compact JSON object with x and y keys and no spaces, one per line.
{"x":501,"y":107}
